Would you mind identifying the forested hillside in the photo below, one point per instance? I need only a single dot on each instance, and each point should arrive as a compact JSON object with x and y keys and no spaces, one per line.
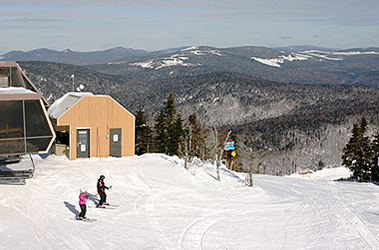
{"x":283,"y":122}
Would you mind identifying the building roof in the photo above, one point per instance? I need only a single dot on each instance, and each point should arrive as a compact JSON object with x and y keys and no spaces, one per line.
{"x":64,"y":103}
{"x":18,"y":93}
{"x":15,"y":85}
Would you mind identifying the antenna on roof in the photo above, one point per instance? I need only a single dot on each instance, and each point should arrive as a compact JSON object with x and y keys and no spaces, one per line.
{"x":73,"y":82}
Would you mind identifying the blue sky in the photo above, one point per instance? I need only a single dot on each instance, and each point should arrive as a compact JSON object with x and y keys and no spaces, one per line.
{"x":89,"y":25}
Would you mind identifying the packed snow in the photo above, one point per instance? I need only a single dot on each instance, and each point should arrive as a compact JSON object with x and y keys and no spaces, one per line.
{"x":164,"y":206}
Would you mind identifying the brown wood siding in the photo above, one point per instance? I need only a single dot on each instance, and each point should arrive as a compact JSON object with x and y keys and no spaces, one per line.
{"x":100,"y":114}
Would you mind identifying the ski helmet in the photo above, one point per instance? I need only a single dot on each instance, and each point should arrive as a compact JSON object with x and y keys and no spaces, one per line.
{"x":82,"y":190}
{"x":102,"y":176}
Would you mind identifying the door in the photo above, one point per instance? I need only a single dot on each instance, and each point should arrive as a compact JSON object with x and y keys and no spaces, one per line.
{"x":82,"y":148}
{"x":115,"y":142}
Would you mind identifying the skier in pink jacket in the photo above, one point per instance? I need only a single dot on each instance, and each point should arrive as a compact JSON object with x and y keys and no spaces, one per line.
{"x":82,"y":203}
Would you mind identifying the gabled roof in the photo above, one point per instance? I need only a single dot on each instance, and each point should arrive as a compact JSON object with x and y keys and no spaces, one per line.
{"x":65,"y":102}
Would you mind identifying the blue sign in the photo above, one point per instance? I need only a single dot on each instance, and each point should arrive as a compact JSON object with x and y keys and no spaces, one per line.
{"x":229,"y":145}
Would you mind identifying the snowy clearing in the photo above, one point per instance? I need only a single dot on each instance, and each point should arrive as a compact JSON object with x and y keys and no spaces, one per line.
{"x":164,"y":206}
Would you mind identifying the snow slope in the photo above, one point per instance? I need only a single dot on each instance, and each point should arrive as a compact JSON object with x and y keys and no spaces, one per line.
{"x":164,"y":206}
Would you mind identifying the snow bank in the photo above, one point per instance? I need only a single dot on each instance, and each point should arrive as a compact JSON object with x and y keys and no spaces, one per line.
{"x":325,"y":174}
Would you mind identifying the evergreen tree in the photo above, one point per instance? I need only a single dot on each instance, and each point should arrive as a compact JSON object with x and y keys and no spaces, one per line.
{"x":196,"y":137}
{"x":143,"y":134}
{"x":168,"y":128}
{"x":176,"y":134}
{"x":357,"y":153}
{"x":375,"y":158}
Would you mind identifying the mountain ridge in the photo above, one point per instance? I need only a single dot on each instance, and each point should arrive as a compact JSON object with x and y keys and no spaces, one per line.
{"x":79,"y":58}
{"x":356,"y":67}
{"x":305,"y":64}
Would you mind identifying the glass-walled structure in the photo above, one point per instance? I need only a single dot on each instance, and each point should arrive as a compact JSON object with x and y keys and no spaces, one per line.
{"x":10,"y":76}
{"x":24,"y":124}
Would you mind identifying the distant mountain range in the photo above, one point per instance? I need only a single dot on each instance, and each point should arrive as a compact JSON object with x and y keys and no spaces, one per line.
{"x":301,"y":64}
{"x":355,"y":67}
{"x":79,"y":58}
{"x":295,"y":107}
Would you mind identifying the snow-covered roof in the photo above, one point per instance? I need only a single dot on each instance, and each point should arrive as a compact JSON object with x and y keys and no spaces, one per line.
{"x":65,"y":102}
{"x":18,"y":93}
{"x":15,"y":90}
{"x":14,"y":84}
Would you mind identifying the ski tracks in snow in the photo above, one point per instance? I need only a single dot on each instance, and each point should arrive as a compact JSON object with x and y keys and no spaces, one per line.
{"x":193,"y":237}
{"x":144,"y":196}
{"x":160,"y":206}
{"x":353,"y":223}
{"x":330,"y":206}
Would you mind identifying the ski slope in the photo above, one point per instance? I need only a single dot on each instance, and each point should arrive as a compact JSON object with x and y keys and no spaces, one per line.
{"x":164,"y":206}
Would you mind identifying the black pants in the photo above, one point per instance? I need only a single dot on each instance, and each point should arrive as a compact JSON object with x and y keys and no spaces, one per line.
{"x":103,"y":198}
{"x":83,"y":207}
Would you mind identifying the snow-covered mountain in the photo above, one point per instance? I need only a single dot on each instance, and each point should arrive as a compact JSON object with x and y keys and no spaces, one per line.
{"x":164,"y":206}
{"x":303,"y":64}
{"x":312,"y":54}
{"x":354,"y":66}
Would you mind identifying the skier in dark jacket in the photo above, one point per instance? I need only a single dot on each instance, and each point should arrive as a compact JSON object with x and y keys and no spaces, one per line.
{"x":101,"y":191}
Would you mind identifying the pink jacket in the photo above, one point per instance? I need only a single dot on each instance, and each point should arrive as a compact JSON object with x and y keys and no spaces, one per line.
{"x":82,"y":199}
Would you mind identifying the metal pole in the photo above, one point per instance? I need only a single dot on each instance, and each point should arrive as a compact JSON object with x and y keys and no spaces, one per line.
{"x":219,"y":160}
{"x":234,"y":164}
{"x":24,"y":124}
{"x":226,"y":159}
{"x":73,"y":83}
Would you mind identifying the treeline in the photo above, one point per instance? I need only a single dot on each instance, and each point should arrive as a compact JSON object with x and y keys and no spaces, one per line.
{"x":172,"y":135}
{"x":361,"y":153}
{"x":275,"y":132}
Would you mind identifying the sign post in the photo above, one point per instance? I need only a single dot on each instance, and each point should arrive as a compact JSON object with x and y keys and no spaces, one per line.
{"x":229,"y":145}
{"x":219,"y":160}
{"x":234,"y":157}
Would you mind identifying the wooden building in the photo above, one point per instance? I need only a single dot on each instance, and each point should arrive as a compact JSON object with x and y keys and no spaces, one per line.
{"x":90,"y":125}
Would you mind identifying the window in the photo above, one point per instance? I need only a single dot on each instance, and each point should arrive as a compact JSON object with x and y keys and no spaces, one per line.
{"x":16,"y":79}
{"x":36,"y":123}
{"x":17,"y":115}
{"x":11,"y":121}
{"x":4,"y":82}
{"x":11,"y":77}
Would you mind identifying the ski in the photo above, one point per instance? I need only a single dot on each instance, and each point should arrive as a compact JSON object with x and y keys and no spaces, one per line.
{"x":84,"y":220}
{"x":103,"y":207}
{"x":111,"y":205}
